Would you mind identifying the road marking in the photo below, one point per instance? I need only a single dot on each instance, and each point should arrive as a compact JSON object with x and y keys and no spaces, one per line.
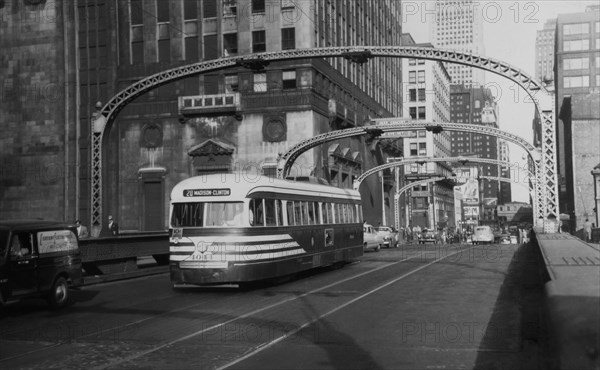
{"x":293,"y":332}
{"x":248,"y":314}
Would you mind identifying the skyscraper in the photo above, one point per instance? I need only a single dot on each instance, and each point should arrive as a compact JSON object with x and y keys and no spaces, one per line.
{"x":577,"y":81}
{"x":544,"y":51}
{"x":458,"y":25}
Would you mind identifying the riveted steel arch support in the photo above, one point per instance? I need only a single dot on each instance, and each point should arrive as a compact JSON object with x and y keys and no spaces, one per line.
{"x":531,"y":86}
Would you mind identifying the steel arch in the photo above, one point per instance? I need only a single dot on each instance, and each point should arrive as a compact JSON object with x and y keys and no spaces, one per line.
{"x":410,"y":160}
{"x":427,"y":181}
{"x":542,"y":98}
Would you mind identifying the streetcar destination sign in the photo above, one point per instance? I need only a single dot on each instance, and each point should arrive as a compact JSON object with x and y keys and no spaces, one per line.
{"x":206,"y":192}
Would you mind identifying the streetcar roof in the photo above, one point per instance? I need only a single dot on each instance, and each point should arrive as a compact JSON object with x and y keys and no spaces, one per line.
{"x":233,"y":186}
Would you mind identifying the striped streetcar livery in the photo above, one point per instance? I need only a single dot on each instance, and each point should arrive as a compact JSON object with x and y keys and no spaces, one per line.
{"x":225,"y":229}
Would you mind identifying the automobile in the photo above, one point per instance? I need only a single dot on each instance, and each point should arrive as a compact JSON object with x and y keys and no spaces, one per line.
{"x":504,"y":239}
{"x":388,"y":235}
{"x":427,"y":236}
{"x":39,"y":259}
{"x":483,"y":234}
{"x":371,"y":240}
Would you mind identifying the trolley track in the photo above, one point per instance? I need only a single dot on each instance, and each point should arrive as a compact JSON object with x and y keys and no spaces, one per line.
{"x":270,"y":301}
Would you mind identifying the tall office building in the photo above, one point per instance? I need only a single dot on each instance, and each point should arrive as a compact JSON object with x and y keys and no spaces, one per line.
{"x":279,"y":105}
{"x":427,"y":97}
{"x":458,"y":25}
{"x":99,"y":47}
{"x":475,"y":105}
{"x":577,"y":81}
{"x":544,"y":52}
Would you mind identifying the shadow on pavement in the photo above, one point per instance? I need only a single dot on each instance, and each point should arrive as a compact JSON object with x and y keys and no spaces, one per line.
{"x":516,"y":336}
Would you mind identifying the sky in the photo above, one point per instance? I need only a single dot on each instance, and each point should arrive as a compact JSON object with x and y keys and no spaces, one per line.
{"x":509,"y":32}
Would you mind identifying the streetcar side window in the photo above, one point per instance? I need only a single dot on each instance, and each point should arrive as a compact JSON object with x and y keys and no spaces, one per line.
{"x":311,"y":212}
{"x":270,"y":212}
{"x":289,"y":207}
{"x":187,"y":215}
{"x":327,"y":213}
{"x":352,"y":212}
{"x":279,"y":212}
{"x":305,"y":219}
{"x":298,"y":213}
{"x":256,"y":212}
{"x":318,"y":213}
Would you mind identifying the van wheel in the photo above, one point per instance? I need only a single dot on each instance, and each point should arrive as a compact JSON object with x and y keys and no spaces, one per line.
{"x":59,"y":295}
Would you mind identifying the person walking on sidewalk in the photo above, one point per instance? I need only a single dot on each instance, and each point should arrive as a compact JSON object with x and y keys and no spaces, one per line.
{"x":587,"y":229}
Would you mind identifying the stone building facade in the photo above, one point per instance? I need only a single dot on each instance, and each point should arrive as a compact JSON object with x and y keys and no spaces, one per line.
{"x":156,"y":142}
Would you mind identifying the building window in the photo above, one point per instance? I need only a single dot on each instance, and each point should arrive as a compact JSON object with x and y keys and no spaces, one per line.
{"x":210,"y":47}
{"x":229,"y":8}
{"x":413,"y":112}
{"x":258,"y":6}
{"x":289,"y":79}
{"x":162,"y":11}
{"x":412,"y":62}
{"x":421,"y":77}
{"x":137,"y":52}
{"x":575,"y":45}
{"x":576,"y":29}
{"x":137,"y":12}
{"x":288,"y":38}
{"x":209,"y":8}
{"x":191,"y":48}
{"x":231,"y":83}
{"x":421,"y":94}
{"x":412,"y":93}
{"x":414,"y":150}
{"x":230,"y":44}
{"x":164,"y":50}
{"x":137,"y":31}
{"x":423,"y":149}
{"x":576,"y":63}
{"x":412,"y":77}
{"x":258,"y":42}
{"x":260,"y":82}
{"x":421,"y":112}
{"x":576,"y":81}
{"x":190,"y":9}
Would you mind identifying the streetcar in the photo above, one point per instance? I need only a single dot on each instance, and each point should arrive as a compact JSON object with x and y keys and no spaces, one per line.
{"x":227,"y":229}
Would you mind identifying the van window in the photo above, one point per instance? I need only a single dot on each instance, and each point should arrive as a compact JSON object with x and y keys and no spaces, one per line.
{"x":21,"y":245}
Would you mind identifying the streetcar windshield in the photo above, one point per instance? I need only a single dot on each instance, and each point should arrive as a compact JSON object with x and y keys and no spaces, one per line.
{"x":207,"y":214}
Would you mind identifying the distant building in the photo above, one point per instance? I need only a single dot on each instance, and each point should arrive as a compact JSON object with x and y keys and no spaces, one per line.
{"x":515,"y":213}
{"x":476,"y":106}
{"x":577,"y":81}
{"x":426,"y":92}
{"x":505,"y":190}
{"x":544,"y":52}
{"x":458,"y":25}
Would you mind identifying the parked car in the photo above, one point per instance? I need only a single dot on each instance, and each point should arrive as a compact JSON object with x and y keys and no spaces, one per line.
{"x":38,"y":259}
{"x":371,"y":240}
{"x":505,"y":239}
{"x":427,"y":236}
{"x":388,"y":235}
{"x":483,"y":234}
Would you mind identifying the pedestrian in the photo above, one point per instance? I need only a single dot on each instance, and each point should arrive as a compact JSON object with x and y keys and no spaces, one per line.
{"x":587,"y":229}
{"x":112,"y":229}
{"x":82,"y":231}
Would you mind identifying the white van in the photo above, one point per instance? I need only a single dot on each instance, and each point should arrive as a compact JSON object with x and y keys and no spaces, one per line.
{"x":482,"y":234}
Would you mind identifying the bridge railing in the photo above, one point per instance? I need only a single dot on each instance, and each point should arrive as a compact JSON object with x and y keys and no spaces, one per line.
{"x":118,"y":256}
{"x":572,"y":299}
